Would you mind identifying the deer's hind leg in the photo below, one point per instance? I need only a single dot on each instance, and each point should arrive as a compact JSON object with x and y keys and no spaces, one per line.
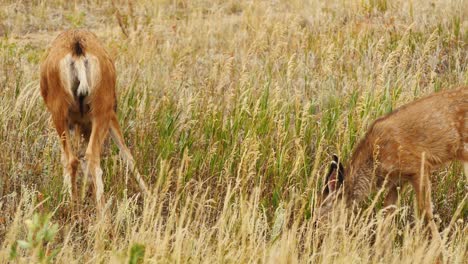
{"x":99,"y":132}
{"x":69,"y":160}
{"x":117,"y":136}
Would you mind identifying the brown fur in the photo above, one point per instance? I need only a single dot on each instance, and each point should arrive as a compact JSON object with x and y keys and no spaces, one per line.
{"x":87,"y":104}
{"x":407,"y":145}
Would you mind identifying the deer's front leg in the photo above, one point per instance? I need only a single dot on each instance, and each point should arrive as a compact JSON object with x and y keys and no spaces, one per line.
{"x":391,"y":199}
{"x":422,"y":187}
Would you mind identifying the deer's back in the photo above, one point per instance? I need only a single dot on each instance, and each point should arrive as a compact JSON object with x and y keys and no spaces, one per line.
{"x":63,"y":44}
{"x":435,"y":125}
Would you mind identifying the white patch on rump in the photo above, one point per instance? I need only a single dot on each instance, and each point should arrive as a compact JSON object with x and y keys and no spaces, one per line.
{"x":66,"y":73}
{"x":85,"y":69}
{"x":80,"y":70}
{"x":93,"y":71}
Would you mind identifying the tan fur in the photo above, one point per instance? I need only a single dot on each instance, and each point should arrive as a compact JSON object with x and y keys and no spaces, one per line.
{"x":65,"y":76}
{"x":407,"y":145}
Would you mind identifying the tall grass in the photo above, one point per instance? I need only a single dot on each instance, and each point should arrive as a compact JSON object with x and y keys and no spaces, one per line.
{"x":231,"y":109}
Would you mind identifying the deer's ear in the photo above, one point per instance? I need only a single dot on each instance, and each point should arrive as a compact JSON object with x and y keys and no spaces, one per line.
{"x":335,"y":176}
{"x":340,"y":173}
{"x":336,"y":158}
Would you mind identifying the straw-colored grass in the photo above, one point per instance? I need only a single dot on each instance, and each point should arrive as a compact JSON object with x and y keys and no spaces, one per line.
{"x":232,"y":110}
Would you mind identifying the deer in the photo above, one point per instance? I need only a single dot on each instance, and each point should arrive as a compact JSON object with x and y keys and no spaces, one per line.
{"x":77,"y":83}
{"x":404,"y":146}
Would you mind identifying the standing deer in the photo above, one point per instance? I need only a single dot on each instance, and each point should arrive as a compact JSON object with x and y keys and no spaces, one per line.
{"x":78,"y":86}
{"x":404,"y":146}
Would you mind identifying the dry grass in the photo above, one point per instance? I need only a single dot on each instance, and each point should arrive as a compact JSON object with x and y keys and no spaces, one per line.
{"x":232,"y":109}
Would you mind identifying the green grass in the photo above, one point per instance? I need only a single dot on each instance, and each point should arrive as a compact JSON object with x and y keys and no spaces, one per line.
{"x":232,"y":110}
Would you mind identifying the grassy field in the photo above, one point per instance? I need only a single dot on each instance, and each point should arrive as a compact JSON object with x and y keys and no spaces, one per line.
{"x":232,"y":110}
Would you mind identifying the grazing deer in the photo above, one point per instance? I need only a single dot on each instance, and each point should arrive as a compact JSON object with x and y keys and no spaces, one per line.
{"x":78,"y":86}
{"x":404,"y":146}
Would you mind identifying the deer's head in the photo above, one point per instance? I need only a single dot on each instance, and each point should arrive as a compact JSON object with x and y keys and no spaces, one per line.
{"x":332,"y":190}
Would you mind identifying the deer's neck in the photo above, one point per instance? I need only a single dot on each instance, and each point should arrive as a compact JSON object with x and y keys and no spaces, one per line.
{"x":359,"y":176}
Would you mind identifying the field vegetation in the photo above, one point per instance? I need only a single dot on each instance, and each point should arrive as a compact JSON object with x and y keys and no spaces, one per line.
{"x":232,"y":110}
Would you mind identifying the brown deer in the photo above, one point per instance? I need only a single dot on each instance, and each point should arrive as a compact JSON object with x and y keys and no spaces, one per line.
{"x":78,"y":86}
{"x":404,"y":146}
